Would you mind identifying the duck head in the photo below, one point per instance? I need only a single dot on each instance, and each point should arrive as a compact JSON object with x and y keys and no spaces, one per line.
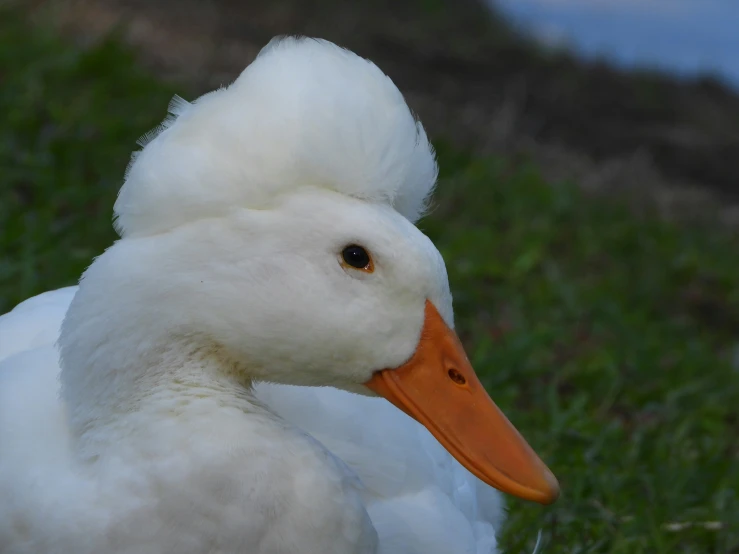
{"x":274,"y":219}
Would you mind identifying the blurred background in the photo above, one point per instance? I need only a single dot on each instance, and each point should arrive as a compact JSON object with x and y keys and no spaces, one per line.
{"x":683,"y":37}
{"x":587,"y":209}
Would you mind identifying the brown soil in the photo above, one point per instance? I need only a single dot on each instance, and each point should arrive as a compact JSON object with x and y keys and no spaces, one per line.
{"x":471,"y":81}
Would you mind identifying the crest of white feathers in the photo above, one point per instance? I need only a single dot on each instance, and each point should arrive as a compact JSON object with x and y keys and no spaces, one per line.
{"x":305,"y":113}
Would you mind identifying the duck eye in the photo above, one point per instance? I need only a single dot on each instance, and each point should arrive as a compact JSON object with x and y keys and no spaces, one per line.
{"x":357,"y":257}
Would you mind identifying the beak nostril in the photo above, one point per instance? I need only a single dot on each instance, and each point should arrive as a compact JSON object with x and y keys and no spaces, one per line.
{"x":457,"y":377}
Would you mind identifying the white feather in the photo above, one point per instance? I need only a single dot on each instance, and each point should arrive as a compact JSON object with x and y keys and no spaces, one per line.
{"x":305,"y":113}
{"x":420,"y":500}
{"x":164,"y":435}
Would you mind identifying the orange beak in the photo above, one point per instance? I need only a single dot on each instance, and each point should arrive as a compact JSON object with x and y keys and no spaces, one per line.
{"x":438,"y":388}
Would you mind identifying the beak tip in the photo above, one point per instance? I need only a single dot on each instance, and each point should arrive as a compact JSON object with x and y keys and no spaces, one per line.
{"x":550,"y":497}
{"x":549,"y":491}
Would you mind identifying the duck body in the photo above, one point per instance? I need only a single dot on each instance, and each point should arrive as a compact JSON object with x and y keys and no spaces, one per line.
{"x":226,"y":377}
{"x":271,"y":469}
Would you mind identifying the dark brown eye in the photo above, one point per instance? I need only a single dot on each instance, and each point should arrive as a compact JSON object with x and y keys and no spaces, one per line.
{"x":357,"y":257}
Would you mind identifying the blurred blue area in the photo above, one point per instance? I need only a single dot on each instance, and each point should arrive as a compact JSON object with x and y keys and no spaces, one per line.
{"x":685,"y":37}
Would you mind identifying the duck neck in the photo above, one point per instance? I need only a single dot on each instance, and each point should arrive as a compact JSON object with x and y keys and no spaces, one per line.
{"x":157,"y":396}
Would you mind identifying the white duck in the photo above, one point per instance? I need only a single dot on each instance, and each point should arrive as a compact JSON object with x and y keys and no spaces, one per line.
{"x":267,"y":237}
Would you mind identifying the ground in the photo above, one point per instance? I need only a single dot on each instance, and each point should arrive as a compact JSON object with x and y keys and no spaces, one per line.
{"x":471,"y":80}
{"x":608,"y":336}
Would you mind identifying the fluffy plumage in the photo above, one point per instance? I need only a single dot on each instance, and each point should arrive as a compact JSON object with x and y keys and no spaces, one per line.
{"x":199,"y":355}
{"x":304,"y":113}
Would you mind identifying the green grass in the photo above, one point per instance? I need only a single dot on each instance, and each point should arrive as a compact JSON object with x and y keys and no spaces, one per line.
{"x":606,"y":339}
{"x":71,"y":120}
